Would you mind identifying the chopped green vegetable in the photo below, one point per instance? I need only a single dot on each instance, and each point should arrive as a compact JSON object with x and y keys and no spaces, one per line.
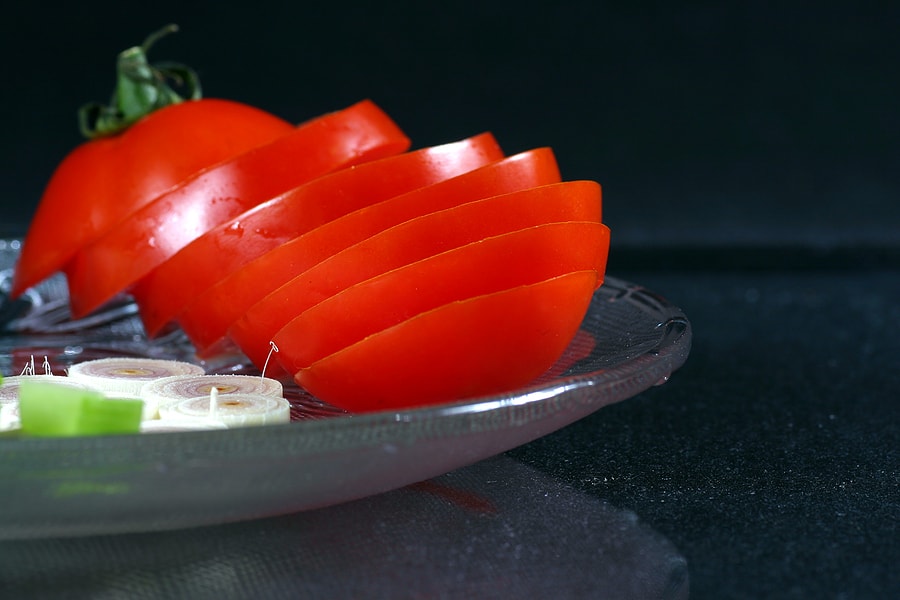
{"x":49,"y":409}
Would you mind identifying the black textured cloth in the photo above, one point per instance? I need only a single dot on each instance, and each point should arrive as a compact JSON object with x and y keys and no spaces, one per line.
{"x":767,"y":467}
{"x":771,"y":459}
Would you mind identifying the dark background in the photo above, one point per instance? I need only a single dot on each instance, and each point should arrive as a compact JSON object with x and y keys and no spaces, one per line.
{"x":705,"y":122}
{"x":749,"y":155}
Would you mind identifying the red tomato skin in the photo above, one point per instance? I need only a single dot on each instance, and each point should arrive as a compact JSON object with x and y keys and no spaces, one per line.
{"x":207,"y":318}
{"x":164,"y":292}
{"x":491,"y":265}
{"x":103,"y":181}
{"x":408,"y":242}
{"x":491,"y":344}
{"x":137,"y":245}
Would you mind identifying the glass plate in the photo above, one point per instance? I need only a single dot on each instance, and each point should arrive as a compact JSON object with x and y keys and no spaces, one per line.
{"x":630,"y":340}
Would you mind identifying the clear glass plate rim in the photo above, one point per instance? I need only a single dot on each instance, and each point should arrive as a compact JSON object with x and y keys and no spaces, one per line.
{"x":655,"y":364}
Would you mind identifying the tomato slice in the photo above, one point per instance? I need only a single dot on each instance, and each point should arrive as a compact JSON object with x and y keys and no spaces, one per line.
{"x":491,"y":265}
{"x":167,"y":289}
{"x":408,"y":242}
{"x":206,"y":319}
{"x":103,"y":181}
{"x":489,"y":344}
{"x":144,"y":240}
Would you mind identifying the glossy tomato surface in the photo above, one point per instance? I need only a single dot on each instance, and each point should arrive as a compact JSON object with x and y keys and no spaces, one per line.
{"x":207,"y":318}
{"x":163,"y":293}
{"x":490,"y":265}
{"x":489,"y":344}
{"x":408,"y":242}
{"x":105,"y":180}
{"x":148,"y":237}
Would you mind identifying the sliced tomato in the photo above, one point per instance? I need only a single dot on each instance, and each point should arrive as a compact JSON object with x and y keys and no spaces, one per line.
{"x":489,"y":344}
{"x":164,"y":292}
{"x":207,"y":318}
{"x":491,"y":265}
{"x":145,"y":239}
{"x":406,"y":243}
{"x":105,"y":180}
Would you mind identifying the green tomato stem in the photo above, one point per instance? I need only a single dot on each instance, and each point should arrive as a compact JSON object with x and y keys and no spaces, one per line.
{"x":141,"y":88}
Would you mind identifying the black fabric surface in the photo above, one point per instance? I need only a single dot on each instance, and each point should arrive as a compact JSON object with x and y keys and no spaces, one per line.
{"x":771,"y":459}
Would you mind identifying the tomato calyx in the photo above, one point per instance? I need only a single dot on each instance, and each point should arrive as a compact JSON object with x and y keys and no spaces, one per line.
{"x":141,"y":88}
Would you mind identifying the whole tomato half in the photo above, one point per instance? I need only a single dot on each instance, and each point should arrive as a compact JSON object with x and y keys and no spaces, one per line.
{"x":378,"y":278}
{"x":123,"y":167}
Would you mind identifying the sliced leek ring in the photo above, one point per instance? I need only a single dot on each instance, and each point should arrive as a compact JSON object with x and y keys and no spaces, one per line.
{"x":233,"y":410}
{"x":150,"y":410}
{"x":9,"y":389}
{"x":125,"y":376}
{"x":182,"y":387}
{"x":9,"y":416}
{"x":9,"y":398}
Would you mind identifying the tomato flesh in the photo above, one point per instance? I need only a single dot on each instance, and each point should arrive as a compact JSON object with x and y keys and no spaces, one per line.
{"x":207,"y":318}
{"x":491,"y":265}
{"x":163,"y":293}
{"x":103,"y":181}
{"x":406,"y":243}
{"x":485,"y":345}
{"x":146,"y":239}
